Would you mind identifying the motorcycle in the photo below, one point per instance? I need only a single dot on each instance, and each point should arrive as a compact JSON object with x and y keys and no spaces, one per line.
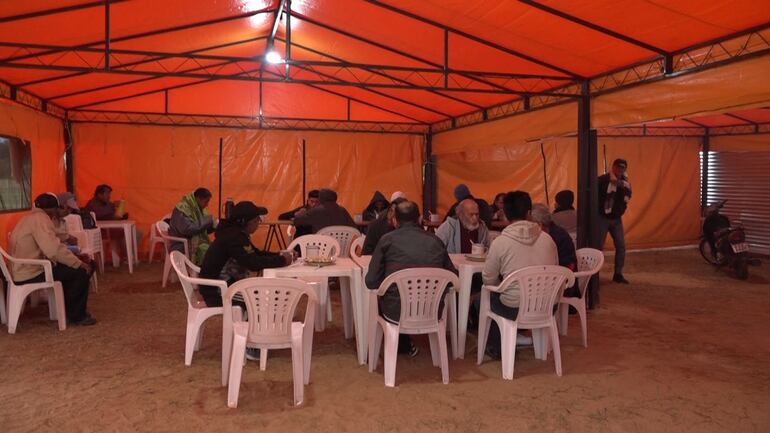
{"x":723,"y":244}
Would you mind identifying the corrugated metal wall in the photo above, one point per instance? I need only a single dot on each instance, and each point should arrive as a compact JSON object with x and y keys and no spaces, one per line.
{"x":743,"y":178}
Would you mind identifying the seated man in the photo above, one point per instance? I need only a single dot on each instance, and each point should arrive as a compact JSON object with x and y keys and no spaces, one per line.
{"x":564,"y":245}
{"x":386,"y":223}
{"x":378,"y":206}
{"x":191,"y":221}
{"x":34,"y":238}
{"x":461,"y":232}
{"x":232,"y":255}
{"x":461,"y":193}
{"x":67,"y":200}
{"x":102,"y":206}
{"x":521,"y":244}
{"x":564,"y":215}
{"x":327,"y":213}
{"x":408,"y":246}
{"x":312,"y":201}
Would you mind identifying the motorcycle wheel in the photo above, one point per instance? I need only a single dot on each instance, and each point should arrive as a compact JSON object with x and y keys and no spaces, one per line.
{"x":707,"y":252}
{"x":741,"y":267}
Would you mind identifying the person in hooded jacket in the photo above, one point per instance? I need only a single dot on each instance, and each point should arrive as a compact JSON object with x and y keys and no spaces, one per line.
{"x":378,"y":205}
{"x":383,"y":225}
{"x":523,"y":243}
{"x":232,"y":255}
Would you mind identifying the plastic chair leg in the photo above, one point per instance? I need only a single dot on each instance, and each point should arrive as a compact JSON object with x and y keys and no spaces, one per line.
{"x":556,"y":348}
{"x":581,"y":308}
{"x":191,"y":338}
{"x":434,"y":354}
{"x":58,"y":291}
{"x":484,"y":322}
{"x":15,"y":302}
{"x":3,"y":309}
{"x":375,"y":343}
{"x":443,"y":354}
{"x":391,"y":352}
{"x":166,"y":270}
{"x":236,"y":370}
{"x":563,"y":314}
{"x":263,"y":359}
{"x":508,"y":334}
{"x":297,"y":365}
{"x":52,"y":314}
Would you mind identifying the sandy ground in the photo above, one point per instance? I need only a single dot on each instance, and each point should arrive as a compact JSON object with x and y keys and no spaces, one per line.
{"x":684,"y":348}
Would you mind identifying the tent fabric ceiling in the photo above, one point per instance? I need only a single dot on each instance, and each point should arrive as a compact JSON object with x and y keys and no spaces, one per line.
{"x":203,"y":57}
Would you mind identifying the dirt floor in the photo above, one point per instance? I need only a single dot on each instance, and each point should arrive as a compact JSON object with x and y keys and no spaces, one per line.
{"x":683,"y":348}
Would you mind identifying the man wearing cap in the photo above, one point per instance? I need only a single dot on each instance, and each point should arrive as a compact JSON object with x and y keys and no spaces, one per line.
{"x":462,"y":192}
{"x":232,"y":255}
{"x":34,"y":238}
{"x":327,"y":213}
{"x":614,"y":195}
{"x":70,"y":207}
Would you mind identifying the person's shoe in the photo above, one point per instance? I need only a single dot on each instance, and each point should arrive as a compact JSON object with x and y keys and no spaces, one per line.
{"x":86,"y":321}
{"x":619,"y":278}
{"x":252,"y":354}
{"x":413,"y":351}
{"x":523,"y":340}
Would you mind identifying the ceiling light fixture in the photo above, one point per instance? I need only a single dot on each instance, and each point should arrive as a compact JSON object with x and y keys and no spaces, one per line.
{"x":273,"y":57}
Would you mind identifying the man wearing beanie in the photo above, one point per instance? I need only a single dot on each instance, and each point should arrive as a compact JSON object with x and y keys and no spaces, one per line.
{"x":34,"y":237}
{"x":232,"y":255}
{"x":461,"y":193}
{"x":327,"y":213}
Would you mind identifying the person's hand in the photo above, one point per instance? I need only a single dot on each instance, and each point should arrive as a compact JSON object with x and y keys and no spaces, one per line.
{"x":86,"y":267}
{"x":300,"y":212}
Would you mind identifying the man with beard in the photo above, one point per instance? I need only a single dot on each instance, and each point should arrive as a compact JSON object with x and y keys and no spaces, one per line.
{"x":459,"y":233}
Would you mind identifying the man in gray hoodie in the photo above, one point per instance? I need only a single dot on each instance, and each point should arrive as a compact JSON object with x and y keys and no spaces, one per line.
{"x":522,"y":244}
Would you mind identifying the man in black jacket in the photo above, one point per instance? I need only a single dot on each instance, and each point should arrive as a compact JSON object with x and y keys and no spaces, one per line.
{"x":312,"y":201}
{"x":614,"y":194}
{"x":383,"y":225}
{"x":408,"y":246}
{"x":232,"y":255}
{"x":326,"y":214}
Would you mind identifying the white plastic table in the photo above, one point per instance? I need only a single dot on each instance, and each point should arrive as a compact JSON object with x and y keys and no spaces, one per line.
{"x":466,"y":268}
{"x":129,"y":234}
{"x":350,"y":277}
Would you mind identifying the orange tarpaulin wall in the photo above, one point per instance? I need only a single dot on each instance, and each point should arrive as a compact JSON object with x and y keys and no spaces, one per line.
{"x":46,"y":137}
{"x":664,"y":173}
{"x":153,"y":166}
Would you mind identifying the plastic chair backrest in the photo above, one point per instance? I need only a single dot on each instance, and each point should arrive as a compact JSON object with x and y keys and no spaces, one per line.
{"x":357,"y":247}
{"x":270,"y":306}
{"x":492,"y":235}
{"x":590,"y":262}
{"x":420,"y":290}
{"x":4,"y":267}
{"x":73,"y":223}
{"x":540,"y":288}
{"x":162,"y":228}
{"x":344,"y":236}
{"x":181,"y":265}
{"x":327,"y":244}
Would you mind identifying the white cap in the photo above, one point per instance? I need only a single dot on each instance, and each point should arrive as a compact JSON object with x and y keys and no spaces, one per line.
{"x":397,"y":194}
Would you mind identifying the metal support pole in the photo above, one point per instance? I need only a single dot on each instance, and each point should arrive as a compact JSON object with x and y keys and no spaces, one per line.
{"x":107,"y":35}
{"x":348,"y":110}
{"x":668,"y":64}
{"x":288,"y":38}
{"x":304,"y":170}
{"x":446,"y":58}
{"x":165,"y":101}
{"x":219,"y":203}
{"x":588,"y":197}
{"x":429,"y":177}
{"x":69,"y":166}
{"x":260,"y":98}
{"x":545,"y":174}
{"x":704,"y":172}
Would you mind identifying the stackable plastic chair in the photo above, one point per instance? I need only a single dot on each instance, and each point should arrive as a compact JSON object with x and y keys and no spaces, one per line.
{"x":590,"y":262}
{"x":197,"y":311}
{"x":344,"y":235}
{"x":17,"y":294}
{"x":89,"y":241}
{"x":155,"y":238}
{"x":421,"y":291}
{"x":162,"y":228}
{"x":540,"y":288}
{"x":328,"y":246}
{"x":356,"y":248}
{"x":270,"y":307}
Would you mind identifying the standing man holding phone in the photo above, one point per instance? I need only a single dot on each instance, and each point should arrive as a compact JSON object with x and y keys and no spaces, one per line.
{"x":614,"y":195}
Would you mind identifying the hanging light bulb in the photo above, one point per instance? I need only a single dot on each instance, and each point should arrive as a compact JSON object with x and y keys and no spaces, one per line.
{"x":273,"y":57}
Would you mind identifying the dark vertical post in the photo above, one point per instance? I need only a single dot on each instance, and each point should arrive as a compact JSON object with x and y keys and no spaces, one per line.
{"x":165,"y":101}
{"x":545,"y":174}
{"x":704,"y":171}
{"x":588,"y":198}
{"x":288,"y":38}
{"x":446,"y":58}
{"x":260,"y":97}
{"x":348,"y":109}
{"x":219,"y":204}
{"x":107,"y":35}
{"x":69,"y":168}
{"x":429,"y":177}
{"x":304,"y":171}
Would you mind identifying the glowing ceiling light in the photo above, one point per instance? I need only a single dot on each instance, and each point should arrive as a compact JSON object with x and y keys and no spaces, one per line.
{"x":273,"y":57}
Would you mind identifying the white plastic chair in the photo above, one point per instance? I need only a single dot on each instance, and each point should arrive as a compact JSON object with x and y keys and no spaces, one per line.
{"x":3,"y":310}
{"x":197,"y":311}
{"x":155,"y":238}
{"x":356,"y":248}
{"x":421,"y":291}
{"x":590,"y":262}
{"x":540,"y":288}
{"x":89,"y":242}
{"x":492,"y":235}
{"x":17,"y":294}
{"x":343,"y":234}
{"x":270,"y":307}
{"x":162,"y":228}
{"x":328,"y":246}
